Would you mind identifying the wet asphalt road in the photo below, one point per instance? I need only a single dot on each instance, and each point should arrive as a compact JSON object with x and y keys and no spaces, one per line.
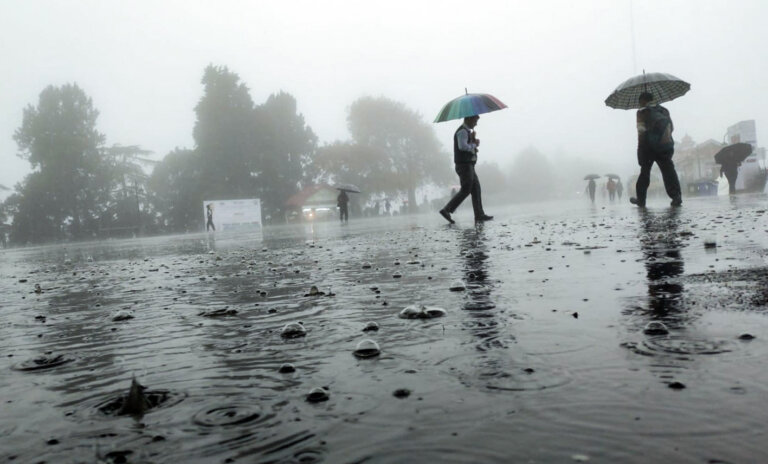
{"x":581,"y":333}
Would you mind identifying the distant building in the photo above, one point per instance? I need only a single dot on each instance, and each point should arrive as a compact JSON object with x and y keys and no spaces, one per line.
{"x":696,"y":166}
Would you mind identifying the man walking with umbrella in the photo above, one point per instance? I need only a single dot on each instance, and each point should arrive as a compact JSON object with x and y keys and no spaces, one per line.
{"x":342,"y":201}
{"x":655,"y":145}
{"x":591,"y":186}
{"x":468,"y":106}
{"x":654,"y":128}
{"x":465,"y":156}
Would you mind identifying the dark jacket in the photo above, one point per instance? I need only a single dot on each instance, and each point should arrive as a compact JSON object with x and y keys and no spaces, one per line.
{"x":342,"y":200}
{"x":461,"y":156}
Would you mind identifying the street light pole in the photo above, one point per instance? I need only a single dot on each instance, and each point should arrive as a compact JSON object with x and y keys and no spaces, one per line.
{"x":138,"y":208}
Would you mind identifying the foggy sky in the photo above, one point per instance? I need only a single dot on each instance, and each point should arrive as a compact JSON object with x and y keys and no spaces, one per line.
{"x":552,"y":62}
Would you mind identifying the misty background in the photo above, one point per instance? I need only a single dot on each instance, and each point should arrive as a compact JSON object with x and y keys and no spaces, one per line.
{"x":552,"y":62}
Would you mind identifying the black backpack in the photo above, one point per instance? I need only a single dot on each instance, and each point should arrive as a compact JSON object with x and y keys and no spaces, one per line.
{"x":658,"y":134}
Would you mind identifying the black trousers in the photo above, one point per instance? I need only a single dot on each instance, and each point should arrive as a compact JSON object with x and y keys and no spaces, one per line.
{"x":731,"y":173}
{"x":646,"y":158}
{"x":343,"y":214}
{"x":470,"y":185}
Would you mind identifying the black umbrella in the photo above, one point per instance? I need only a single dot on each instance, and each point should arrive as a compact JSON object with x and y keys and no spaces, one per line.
{"x":735,"y":153}
{"x":663,"y":87}
{"x":348,"y":188}
{"x":591,"y":176}
{"x":612,"y":176}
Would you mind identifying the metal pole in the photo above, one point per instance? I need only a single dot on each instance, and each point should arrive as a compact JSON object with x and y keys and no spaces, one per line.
{"x":632,"y":32}
{"x":138,"y":207}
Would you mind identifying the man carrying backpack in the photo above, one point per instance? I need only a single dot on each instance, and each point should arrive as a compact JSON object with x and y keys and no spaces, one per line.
{"x":655,"y":145}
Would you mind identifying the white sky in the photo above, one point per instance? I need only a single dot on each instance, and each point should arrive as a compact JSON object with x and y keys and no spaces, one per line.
{"x":552,"y":62}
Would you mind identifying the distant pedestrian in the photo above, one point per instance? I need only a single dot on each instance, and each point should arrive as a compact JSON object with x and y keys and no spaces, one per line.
{"x":342,"y":201}
{"x":387,"y":206}
{"x":209,"y":214}
{"x":591,"y":186}
{"x":619,"y":188}
{"x":655,"y":145}
{"x":376,"y":208}
{"x":611,"y":187}
{"x":731,"y":171}
{"x":465,"y":144}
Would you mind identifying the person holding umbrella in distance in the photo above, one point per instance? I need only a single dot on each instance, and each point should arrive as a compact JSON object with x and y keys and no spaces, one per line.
{"x":591,"y":186}
{"x":465,"y":147}
{"x":730,"y":158}
{"x":342,"y":201}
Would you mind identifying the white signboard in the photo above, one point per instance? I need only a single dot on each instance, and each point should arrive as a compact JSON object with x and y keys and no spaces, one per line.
{"x":223,"y":215}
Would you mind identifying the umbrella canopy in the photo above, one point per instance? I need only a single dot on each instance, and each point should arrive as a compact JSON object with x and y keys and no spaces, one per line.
{"x":467,"y":105}
{"x":735,"y":153}
{"x":348,"y":188}
{"x":612,"y":176}
{"x":591,"y":176}
{"x":664,"y":87}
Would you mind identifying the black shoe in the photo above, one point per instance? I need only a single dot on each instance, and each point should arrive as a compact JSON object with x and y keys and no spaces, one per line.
{"x":484,"y":218}
{"x":447,"y":216}
{"x":634,"y":201}
{"x":676,"y":202}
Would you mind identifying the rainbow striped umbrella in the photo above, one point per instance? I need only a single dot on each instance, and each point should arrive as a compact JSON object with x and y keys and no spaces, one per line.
{"x":470,"y":104}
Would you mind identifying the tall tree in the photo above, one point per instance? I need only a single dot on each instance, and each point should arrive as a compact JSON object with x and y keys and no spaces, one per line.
{"x":286,"y":146}
{"x":414,"y":157}
{"x":59,"y":139}
{"x":34,"y":219}
{"x":250,"y":151}
{"x":124,"y":172}
{"x":175,"y":192}
{"x":224,"y":135}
